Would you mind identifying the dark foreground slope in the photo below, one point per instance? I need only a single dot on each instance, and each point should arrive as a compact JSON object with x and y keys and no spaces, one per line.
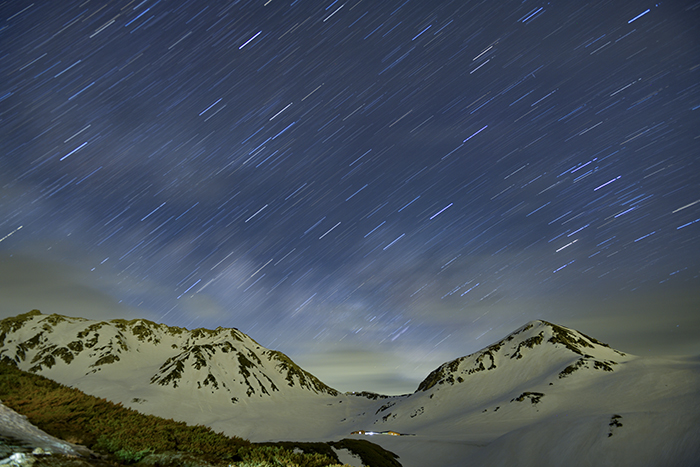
{"x":100,"y":433}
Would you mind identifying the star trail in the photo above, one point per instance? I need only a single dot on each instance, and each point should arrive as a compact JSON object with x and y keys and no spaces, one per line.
{"x":396,"y":176}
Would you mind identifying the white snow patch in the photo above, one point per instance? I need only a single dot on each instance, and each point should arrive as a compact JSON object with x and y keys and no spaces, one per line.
{"x":348,"y":458}
{"x":16,"y":426}
{"x":544,"y":395}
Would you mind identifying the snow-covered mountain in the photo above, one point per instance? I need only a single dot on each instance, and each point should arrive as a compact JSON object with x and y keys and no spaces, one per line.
{"x":544,"y":346}
{"x":222,"y":361}
{"x":547,"y":395}
{"x":521,"y":367}
{"x":543,"y":395}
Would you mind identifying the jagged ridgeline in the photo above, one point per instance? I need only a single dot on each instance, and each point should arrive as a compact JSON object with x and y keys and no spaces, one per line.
{"x":537,"y":338}
{"x":222,"y":361}
{"x":544,"y":387}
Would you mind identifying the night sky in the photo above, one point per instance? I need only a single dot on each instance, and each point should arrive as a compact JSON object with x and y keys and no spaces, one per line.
{"x":372,"y":187}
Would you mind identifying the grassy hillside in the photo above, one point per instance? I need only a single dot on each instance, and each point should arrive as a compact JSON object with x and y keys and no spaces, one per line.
{"x":126,"y":436}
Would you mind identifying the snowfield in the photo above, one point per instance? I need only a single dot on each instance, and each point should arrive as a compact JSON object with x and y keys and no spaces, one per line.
{"x":543,"y":395}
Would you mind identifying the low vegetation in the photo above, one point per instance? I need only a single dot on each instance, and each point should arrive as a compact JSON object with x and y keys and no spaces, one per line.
{"x":529,"y":343}
{"x":583,"y":362}
{"x":126,"y":436}
{"x":571,"y":368}
{"x":438,"y":376}
{"x":614,"y":423}
{"x":535,"y":397}
{"x":567,"y":339}
{"x":103,"y":426}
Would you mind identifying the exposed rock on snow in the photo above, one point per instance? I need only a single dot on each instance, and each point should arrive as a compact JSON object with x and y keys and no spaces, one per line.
{"x":543,"y":395}
{"x":537,"y":339}
{"x":222,"y":361}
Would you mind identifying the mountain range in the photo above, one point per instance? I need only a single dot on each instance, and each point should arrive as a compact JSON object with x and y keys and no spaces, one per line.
{"x":543,"y":395}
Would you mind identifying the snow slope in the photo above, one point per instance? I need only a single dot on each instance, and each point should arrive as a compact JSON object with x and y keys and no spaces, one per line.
{"x":16,"y":427}
{"x":223,"y":361}
{"x":544,"y":395}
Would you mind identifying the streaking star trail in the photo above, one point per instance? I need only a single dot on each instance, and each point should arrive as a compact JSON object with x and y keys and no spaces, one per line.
{"x":392,"y":177}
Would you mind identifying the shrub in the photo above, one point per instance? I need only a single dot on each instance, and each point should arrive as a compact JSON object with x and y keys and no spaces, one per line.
{"x":68,"y":413}
{"x":131,"y":437}
{"x":131,"y":457}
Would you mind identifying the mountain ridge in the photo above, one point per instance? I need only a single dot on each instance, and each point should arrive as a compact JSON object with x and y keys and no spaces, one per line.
{"x":545,"y":333}
{"x":542,"y":377}
{"x":194,"y":349}
{"x":201,"y":356}
{"x":206,"y":376}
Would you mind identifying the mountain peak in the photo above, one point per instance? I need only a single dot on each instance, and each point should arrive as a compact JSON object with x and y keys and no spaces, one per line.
{"x":222,"y":361}
{"x":227,"y":361}
{"x":576,"y":341}
{"x":538,"y":345}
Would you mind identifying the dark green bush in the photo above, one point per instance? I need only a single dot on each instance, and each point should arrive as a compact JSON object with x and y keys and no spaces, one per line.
{"x":131,"y":437}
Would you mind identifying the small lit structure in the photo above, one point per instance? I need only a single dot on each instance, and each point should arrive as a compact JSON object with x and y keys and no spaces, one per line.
{"x":372,"y":433}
